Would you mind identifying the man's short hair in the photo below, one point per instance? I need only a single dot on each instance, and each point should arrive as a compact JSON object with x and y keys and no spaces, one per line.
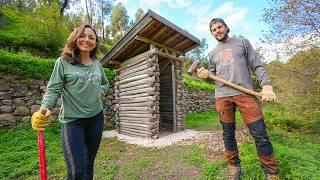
{"x":215,"y":20}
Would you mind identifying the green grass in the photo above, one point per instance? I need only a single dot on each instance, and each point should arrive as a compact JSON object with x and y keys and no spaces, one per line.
{"x":19,"y":152}
{"x":208,"y":121}
{"x":296,"y":116}
{"x":297,"y":154}
{"x":193,"y":84}
{"x":298,"y":157}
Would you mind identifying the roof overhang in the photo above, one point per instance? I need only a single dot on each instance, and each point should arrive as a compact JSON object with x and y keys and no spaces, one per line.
{"x":151,"y":29}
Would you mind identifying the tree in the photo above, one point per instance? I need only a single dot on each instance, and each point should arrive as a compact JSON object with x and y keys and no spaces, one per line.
{"x":103,"y":14}
{"x":119,"y":22}
{"x":294,"y":21}
{"x":65,"y":4}
{"x":89,"y":12}
{"x":198,"y":53}
{"x":139,"y":15}
{"x":20,"y":5}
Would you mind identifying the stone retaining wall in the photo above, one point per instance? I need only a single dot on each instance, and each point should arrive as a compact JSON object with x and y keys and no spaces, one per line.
{"x":19,"y":99}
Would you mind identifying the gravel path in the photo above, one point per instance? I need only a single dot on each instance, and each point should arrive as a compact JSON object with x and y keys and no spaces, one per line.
{"x":210,"y":140}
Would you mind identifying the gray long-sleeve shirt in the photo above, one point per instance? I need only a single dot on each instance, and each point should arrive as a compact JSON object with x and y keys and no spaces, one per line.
{"x":231,"y":61}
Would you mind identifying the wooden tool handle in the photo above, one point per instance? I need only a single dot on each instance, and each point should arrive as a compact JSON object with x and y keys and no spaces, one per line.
{"x":240,"y":88}
{"x":42,"y":152}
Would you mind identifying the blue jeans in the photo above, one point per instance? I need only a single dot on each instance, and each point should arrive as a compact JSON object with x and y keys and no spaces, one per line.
{"x":80,"y":141}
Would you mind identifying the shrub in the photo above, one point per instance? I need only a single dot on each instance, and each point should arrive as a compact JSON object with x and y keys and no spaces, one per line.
{"x":111,"y":74}
{"x":26,"y":66}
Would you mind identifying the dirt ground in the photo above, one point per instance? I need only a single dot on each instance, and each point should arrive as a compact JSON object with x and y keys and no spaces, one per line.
{"x":118,"y":159}
{"x":213,"y":143}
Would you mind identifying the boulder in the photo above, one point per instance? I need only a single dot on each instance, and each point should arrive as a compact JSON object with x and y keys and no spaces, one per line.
{"x":19,"y":102}
{"x":7,"y":102}
{"x":7,"y":120}
{"x":21,"y":111}
{"x":6,"y":109}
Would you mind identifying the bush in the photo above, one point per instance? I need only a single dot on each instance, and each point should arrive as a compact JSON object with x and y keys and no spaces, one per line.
{"x":26,"y":66}
{"x":111,"y":74}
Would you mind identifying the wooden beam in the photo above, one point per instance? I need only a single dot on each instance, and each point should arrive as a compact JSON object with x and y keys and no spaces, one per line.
{"x":145,"y":22}
{"x":146,"y":40}
{"x":165,"y":67}
{"x":162,"y":29}
{"x":134,"y":60}
{"x":170,"y":39}
{"x":142,"y":46}
{"x":181,"y":43}
{"x":169,"y":56}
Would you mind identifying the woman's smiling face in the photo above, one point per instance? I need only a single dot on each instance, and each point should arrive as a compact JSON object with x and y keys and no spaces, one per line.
{"x":87,"y":40}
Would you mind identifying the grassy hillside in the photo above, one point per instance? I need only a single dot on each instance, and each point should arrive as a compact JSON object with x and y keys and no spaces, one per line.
{"x":40,"y":33}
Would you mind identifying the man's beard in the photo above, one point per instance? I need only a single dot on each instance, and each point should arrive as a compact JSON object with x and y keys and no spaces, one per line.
{"x":225,"y":35}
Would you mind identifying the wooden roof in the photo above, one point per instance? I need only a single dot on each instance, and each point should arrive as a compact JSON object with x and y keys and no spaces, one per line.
{"x":151,"y":28}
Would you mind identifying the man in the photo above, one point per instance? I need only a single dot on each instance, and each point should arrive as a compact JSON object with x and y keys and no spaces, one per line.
{"x":231,"y":60}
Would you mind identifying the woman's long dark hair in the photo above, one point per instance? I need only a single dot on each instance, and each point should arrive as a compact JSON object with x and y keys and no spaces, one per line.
{"x":71,"y":51}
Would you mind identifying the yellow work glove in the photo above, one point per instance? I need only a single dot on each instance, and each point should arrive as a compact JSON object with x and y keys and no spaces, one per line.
{"x":268,"y":94}
{"x":40,"y":121}
{"x":202,"y":73}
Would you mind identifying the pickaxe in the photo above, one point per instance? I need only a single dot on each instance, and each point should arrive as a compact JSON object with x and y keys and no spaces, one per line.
{"x":194,"y":67}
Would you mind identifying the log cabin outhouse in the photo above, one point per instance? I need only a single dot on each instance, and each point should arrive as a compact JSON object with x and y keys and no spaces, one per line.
{"x":148,"y":86}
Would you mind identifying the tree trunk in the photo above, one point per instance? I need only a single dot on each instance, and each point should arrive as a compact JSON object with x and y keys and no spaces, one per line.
{"x":63,"y":6}
{"x":90,"y":1}
{"x":88,"y":15}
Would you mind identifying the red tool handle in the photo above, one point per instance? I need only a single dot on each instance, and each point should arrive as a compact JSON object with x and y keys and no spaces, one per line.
{"x":42,"y":153}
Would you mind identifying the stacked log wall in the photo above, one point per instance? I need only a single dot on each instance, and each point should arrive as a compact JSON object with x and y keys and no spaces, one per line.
{"x":137,"y":96}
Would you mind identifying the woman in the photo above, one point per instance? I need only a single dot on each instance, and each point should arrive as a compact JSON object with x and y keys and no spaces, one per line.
{"x":80,"y":81}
